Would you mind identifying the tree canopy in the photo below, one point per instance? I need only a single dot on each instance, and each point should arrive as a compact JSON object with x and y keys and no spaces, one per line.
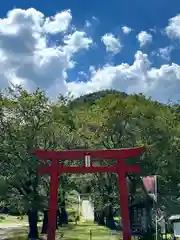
{"x":102,"y":120}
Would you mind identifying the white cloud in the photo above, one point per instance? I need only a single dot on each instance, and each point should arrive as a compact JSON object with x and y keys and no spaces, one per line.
{"x":144,"y":38}
{"x":26,"y":58}
{"x":82,"y":73}
{"x":76,"y":41}
{"x":153,"y":30}
{"x":59,"y":23}
{"x":173,"y":29}
{"x":165,"y":52}
{"x":160,"y":83}
{"x":91,"y":23}
{"x":87,"y":24}
{"x":111,"y":43}
{"x":126,"y":30}
{"x":92,"y":69}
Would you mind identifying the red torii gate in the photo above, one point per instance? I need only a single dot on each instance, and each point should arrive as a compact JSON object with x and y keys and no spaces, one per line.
{"x":56,"y":168}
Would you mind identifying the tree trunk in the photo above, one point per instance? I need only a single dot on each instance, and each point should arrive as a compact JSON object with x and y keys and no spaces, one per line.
{"x":110,"y":223}
{"x":33,"y":221}
{"x":95,"y":216}
{"x":59,"y":222}
{"x":101,"y":218}
{"x":63,"y":214}
{"x":132,"y":188}
{"x":45,"y":222}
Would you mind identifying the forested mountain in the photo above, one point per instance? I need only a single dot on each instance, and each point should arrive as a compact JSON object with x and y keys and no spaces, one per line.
{"x":102,"y":120}
{"x":92,"y":97}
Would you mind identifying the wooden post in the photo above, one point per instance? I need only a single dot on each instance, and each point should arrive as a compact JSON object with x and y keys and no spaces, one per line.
{"x":90,"y":234}
{"x":53,"y":201}
{"x":123,"y":191}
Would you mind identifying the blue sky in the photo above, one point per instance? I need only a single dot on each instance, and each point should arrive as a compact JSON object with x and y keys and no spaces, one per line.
{"x":89,"y":50}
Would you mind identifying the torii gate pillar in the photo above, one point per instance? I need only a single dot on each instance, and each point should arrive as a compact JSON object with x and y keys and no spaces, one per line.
{"x":56,"y":169}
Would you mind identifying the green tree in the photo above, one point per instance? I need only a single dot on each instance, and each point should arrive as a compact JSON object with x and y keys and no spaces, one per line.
{"x":28,"y":121}
{"x":115,"y":121}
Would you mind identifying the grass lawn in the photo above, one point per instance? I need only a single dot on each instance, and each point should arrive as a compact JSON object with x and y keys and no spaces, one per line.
{"x":81,"y":231}
{"x":8,"y":219}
